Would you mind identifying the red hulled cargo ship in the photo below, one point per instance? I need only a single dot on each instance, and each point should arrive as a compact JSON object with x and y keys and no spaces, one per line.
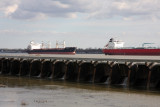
{"x":115,"y":47}
{"x":36,"y":48}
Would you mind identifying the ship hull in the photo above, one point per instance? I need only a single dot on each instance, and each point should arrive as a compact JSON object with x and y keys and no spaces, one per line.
{"x":131,"y":51}
{"x":67,"y":50}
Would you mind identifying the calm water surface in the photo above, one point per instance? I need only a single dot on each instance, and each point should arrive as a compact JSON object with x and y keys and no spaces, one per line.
{"x":31,"y":92}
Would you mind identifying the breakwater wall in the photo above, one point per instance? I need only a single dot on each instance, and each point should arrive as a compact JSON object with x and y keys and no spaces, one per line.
{"x":132,"y":72}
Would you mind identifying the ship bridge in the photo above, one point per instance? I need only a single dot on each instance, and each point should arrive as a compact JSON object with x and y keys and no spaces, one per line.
{"x":114,"y":44}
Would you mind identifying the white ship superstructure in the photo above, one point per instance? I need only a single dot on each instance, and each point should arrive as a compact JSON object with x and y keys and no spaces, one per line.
{"x":114,"y":44}
{"x":34,"y":45}
{"x":43,"y":45}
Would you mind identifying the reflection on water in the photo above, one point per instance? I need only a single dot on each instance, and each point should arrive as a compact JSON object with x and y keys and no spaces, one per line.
{"x":31,"y":92}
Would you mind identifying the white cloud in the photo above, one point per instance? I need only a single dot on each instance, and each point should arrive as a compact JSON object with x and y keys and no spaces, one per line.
{"x":11,"y":9}
{"x":126,"y":9}
{"x":8,"y":6}
{"x":59,"y":4}
{"x":121,"y":5}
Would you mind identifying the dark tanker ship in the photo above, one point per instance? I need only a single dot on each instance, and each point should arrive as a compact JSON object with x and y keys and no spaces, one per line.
{"x":36,"y":48}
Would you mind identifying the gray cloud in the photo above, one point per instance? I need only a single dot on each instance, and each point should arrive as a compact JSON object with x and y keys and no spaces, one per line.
{"x":126,"y":9}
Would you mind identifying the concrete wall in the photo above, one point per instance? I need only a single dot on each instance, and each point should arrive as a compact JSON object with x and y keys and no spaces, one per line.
{"x":111,"y":73}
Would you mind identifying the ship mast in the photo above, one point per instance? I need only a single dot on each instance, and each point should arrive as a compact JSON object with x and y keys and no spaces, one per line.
{"x":62,"y":44}
{"x":57,"y":44}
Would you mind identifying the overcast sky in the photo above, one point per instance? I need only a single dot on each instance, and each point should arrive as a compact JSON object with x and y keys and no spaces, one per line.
{"x":81,"y":23}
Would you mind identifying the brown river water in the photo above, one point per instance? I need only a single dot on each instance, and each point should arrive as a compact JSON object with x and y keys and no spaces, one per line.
{"x":34,"y":92}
